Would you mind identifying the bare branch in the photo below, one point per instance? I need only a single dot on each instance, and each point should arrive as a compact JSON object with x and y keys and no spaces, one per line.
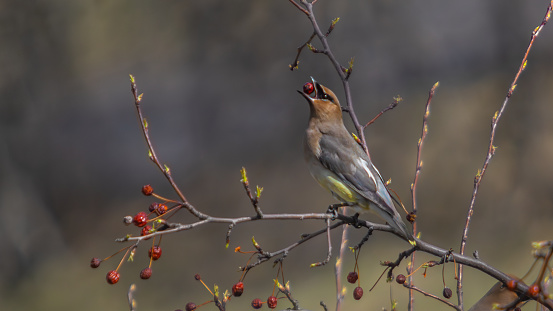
{"x":130,"y":297}
{"x":391,"y":106}
{"x":418,"y":169}
{"x":329,"y":253}
{"x":491,"y":148}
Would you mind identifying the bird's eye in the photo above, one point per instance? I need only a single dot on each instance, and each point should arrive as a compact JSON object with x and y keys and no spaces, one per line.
{"x":326,"y":96}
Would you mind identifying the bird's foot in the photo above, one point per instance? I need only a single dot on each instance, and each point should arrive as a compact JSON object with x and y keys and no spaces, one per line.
{"x":356,"y":223}
{"x":333,"y":209}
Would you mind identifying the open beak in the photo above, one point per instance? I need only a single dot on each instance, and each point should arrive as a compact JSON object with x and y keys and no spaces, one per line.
{"x":318,"y":91}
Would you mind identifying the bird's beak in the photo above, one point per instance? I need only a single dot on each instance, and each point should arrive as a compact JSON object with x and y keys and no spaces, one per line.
{"x":309,"y":98}
{"x":317,"y":87}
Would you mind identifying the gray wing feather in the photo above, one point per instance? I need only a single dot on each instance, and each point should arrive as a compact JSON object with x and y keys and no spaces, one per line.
{"x":344,"y":161}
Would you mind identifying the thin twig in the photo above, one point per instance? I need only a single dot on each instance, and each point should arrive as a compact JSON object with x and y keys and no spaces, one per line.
{"x":294,"y":65}
{"x":418,"y":169}
{"x":492,"y":148}
{"x":541,"y":276}
{"x":338,"y":268}
{"x":152,"y":153}
{"x":390,"y":107}
{"x":419,"y":148}
{"x":286,"y":291}
{"x":254,"y":200}
{"x":414,"y":288}
{"x":130,"y":297}
{"x":329,"y":254}
{"x":299,"y":7}
{"x":266,"y":256}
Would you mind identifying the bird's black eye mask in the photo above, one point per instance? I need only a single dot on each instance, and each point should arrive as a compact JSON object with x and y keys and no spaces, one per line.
{"x":320,"y":93}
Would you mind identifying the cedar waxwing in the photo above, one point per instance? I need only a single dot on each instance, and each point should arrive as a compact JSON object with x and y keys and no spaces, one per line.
{"x":496,"y":298}
{"x":340,"y":165}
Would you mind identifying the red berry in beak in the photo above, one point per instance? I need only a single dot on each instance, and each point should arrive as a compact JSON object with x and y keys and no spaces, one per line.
{"x":308,"y":88}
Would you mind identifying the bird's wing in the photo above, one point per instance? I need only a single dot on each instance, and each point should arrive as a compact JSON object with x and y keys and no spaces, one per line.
{"x":353,"y":166}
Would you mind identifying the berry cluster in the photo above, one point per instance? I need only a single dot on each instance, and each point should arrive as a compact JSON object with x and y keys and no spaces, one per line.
{"x":149,"y":223}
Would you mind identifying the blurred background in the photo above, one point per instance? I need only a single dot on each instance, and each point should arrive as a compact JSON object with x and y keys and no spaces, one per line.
{"x":218,"y":95}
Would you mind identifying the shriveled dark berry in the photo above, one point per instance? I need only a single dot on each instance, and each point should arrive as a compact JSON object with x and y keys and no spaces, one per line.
{"x":153,"y":207}
{"x":95,"y":262}
{"x":352,"y":277}
{"x":140,"y":219}
{"x":238,"y":289}
{"x":155,"y":252}
{"x":146,"y":273}
{"x":357,"y":293}
{"x":190,"y":306}
{"x":272,"y":302}
{"x":147,"y":190}
{"x":257,"y":303}
{"x":400,"y":279}
{"x":447,"y":292}
{"x":112,"y":277}
{"x":197,"y":277}
{"x":411,"y":217}
{"x":161,"y":209}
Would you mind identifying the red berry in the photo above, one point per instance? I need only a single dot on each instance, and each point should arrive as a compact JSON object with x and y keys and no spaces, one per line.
{"x":534,"y":290}
{"x":146,"y":273}
{"x":147,"y":190}
{"x":308,"y":88}
{"x":112,"y":277}
{"x":352,"y":277}
{"x":146,"y":230}
{"x":190,"y":306}
{"x":357,"y":293}
{"x":95,"y":262}
{"x":140,"y":219}
{"x":238,"y":289}
{"x":400,"y":279}
{"x":257,"y":303}
{"x":511,"y":285}
{"x":272,"y":302}
{"x":155,"y":252}
{"x":447,"y":292}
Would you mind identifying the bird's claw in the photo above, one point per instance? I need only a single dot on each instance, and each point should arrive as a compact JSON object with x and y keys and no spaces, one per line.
{"x":356,"y":222}
{"x":333,"y":209}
